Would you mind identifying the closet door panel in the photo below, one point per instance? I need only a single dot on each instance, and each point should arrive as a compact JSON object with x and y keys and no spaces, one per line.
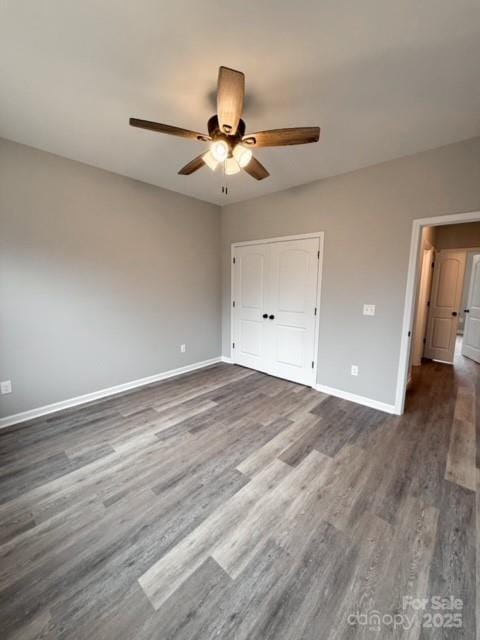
{"x":250,"y":291}
{"x":293,"y":269}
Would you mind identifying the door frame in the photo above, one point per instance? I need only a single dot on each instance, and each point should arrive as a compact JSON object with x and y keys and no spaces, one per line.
{"x":321,"y":237}
{"x":418,"y":340}
{"x":411,"y":290}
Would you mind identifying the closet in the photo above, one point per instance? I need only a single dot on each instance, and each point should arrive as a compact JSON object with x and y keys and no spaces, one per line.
{"x":275,"y":306}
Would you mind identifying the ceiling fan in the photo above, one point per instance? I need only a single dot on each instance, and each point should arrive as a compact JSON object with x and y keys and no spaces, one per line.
{"x":230,"y":147}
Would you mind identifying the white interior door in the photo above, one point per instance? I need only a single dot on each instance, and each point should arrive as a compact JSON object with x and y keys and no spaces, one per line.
{"x":292,"y":297}
{"x":471,"y":336}
{"x":251,"y":304}
{"x":444,"y":305}
{"x":274,"y":307}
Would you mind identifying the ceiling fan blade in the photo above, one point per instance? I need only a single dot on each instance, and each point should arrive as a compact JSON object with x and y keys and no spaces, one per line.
{"x":281,"y":137}
{"x":166,"y":128}
{"x":230,"y":96}
{"x":256,"y":169}
{"x":192,"y":166}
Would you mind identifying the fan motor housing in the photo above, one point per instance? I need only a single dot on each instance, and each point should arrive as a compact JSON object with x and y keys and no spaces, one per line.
{"x":215,"y":133}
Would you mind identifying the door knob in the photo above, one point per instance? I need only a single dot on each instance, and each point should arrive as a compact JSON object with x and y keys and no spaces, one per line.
{"x":454,"y":313}
{"x":265,"y":315}
{"x":272,"y":317}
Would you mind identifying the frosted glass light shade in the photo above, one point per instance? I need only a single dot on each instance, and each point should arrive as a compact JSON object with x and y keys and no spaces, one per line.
{"x":219,"y":150}
{"x":242,"y":155}
{"x":210,"y":161}
{"x":231,"y":166}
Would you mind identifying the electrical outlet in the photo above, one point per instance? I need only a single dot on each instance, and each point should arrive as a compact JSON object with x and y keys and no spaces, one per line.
{"x":368,"y":309}
{"x":183,"y":348}
{"x":354,"y":370}
{"x":6,"y":386}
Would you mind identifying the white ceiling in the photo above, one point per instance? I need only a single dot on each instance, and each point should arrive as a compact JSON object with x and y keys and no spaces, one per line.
{"x":382,"y":78}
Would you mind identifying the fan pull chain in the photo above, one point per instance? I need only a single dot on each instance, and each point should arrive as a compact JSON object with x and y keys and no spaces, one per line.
{"x":225,"y":186}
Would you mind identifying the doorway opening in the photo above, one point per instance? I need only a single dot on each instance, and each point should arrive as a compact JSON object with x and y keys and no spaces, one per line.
{"x":442,"y":311}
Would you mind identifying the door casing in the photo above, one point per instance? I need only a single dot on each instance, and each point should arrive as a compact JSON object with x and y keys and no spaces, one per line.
{"x":421,"y":315}
{"x":321,"y":237}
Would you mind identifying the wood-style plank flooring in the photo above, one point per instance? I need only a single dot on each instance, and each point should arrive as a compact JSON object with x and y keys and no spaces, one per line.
{"x":227,"y":504}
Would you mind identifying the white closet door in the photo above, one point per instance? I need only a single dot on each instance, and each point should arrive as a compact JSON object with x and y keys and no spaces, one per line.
{"x":250,"y":291}
{"x":471,"y":338}
{"x":293,"y":272}
{"x":274,"y":312}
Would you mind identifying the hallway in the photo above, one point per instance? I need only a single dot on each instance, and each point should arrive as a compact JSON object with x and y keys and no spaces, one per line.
{"x":454,"y":391}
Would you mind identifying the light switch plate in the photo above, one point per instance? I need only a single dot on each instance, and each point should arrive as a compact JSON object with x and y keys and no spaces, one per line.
{"x":354,"y":370}
{"x":368,"y":309}
{"x":6,"y":387}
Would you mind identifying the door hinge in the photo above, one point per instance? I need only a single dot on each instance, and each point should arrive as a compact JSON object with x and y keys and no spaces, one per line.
{"x":318,"y":254}
{"x":428,"y":303}
{"x":315,"y":311}
{"x":409,"y":334}
{"x":313,"y":364}
{"x":233,"y":303}
{"x":424,"y":341}
{"x":433,"y":265}
{"x":233,"y":345}
{"x":234,"y":260}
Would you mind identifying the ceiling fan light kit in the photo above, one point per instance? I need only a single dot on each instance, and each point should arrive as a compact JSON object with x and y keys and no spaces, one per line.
{"x":219,"y":150}
{"x":242,"y":155}
{"x":231,"y":166}
{"x":229,"y":146}
{"x":210,"y":160}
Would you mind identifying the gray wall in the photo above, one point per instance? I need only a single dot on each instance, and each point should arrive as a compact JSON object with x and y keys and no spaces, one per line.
{"x":367,"y":218}
{"x":101,"y":278}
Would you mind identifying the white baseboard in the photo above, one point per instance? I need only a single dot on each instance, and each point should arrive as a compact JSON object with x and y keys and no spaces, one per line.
{"x":353,"y":397}
{"x":102,"y":393}
{"x":226,"y":359}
